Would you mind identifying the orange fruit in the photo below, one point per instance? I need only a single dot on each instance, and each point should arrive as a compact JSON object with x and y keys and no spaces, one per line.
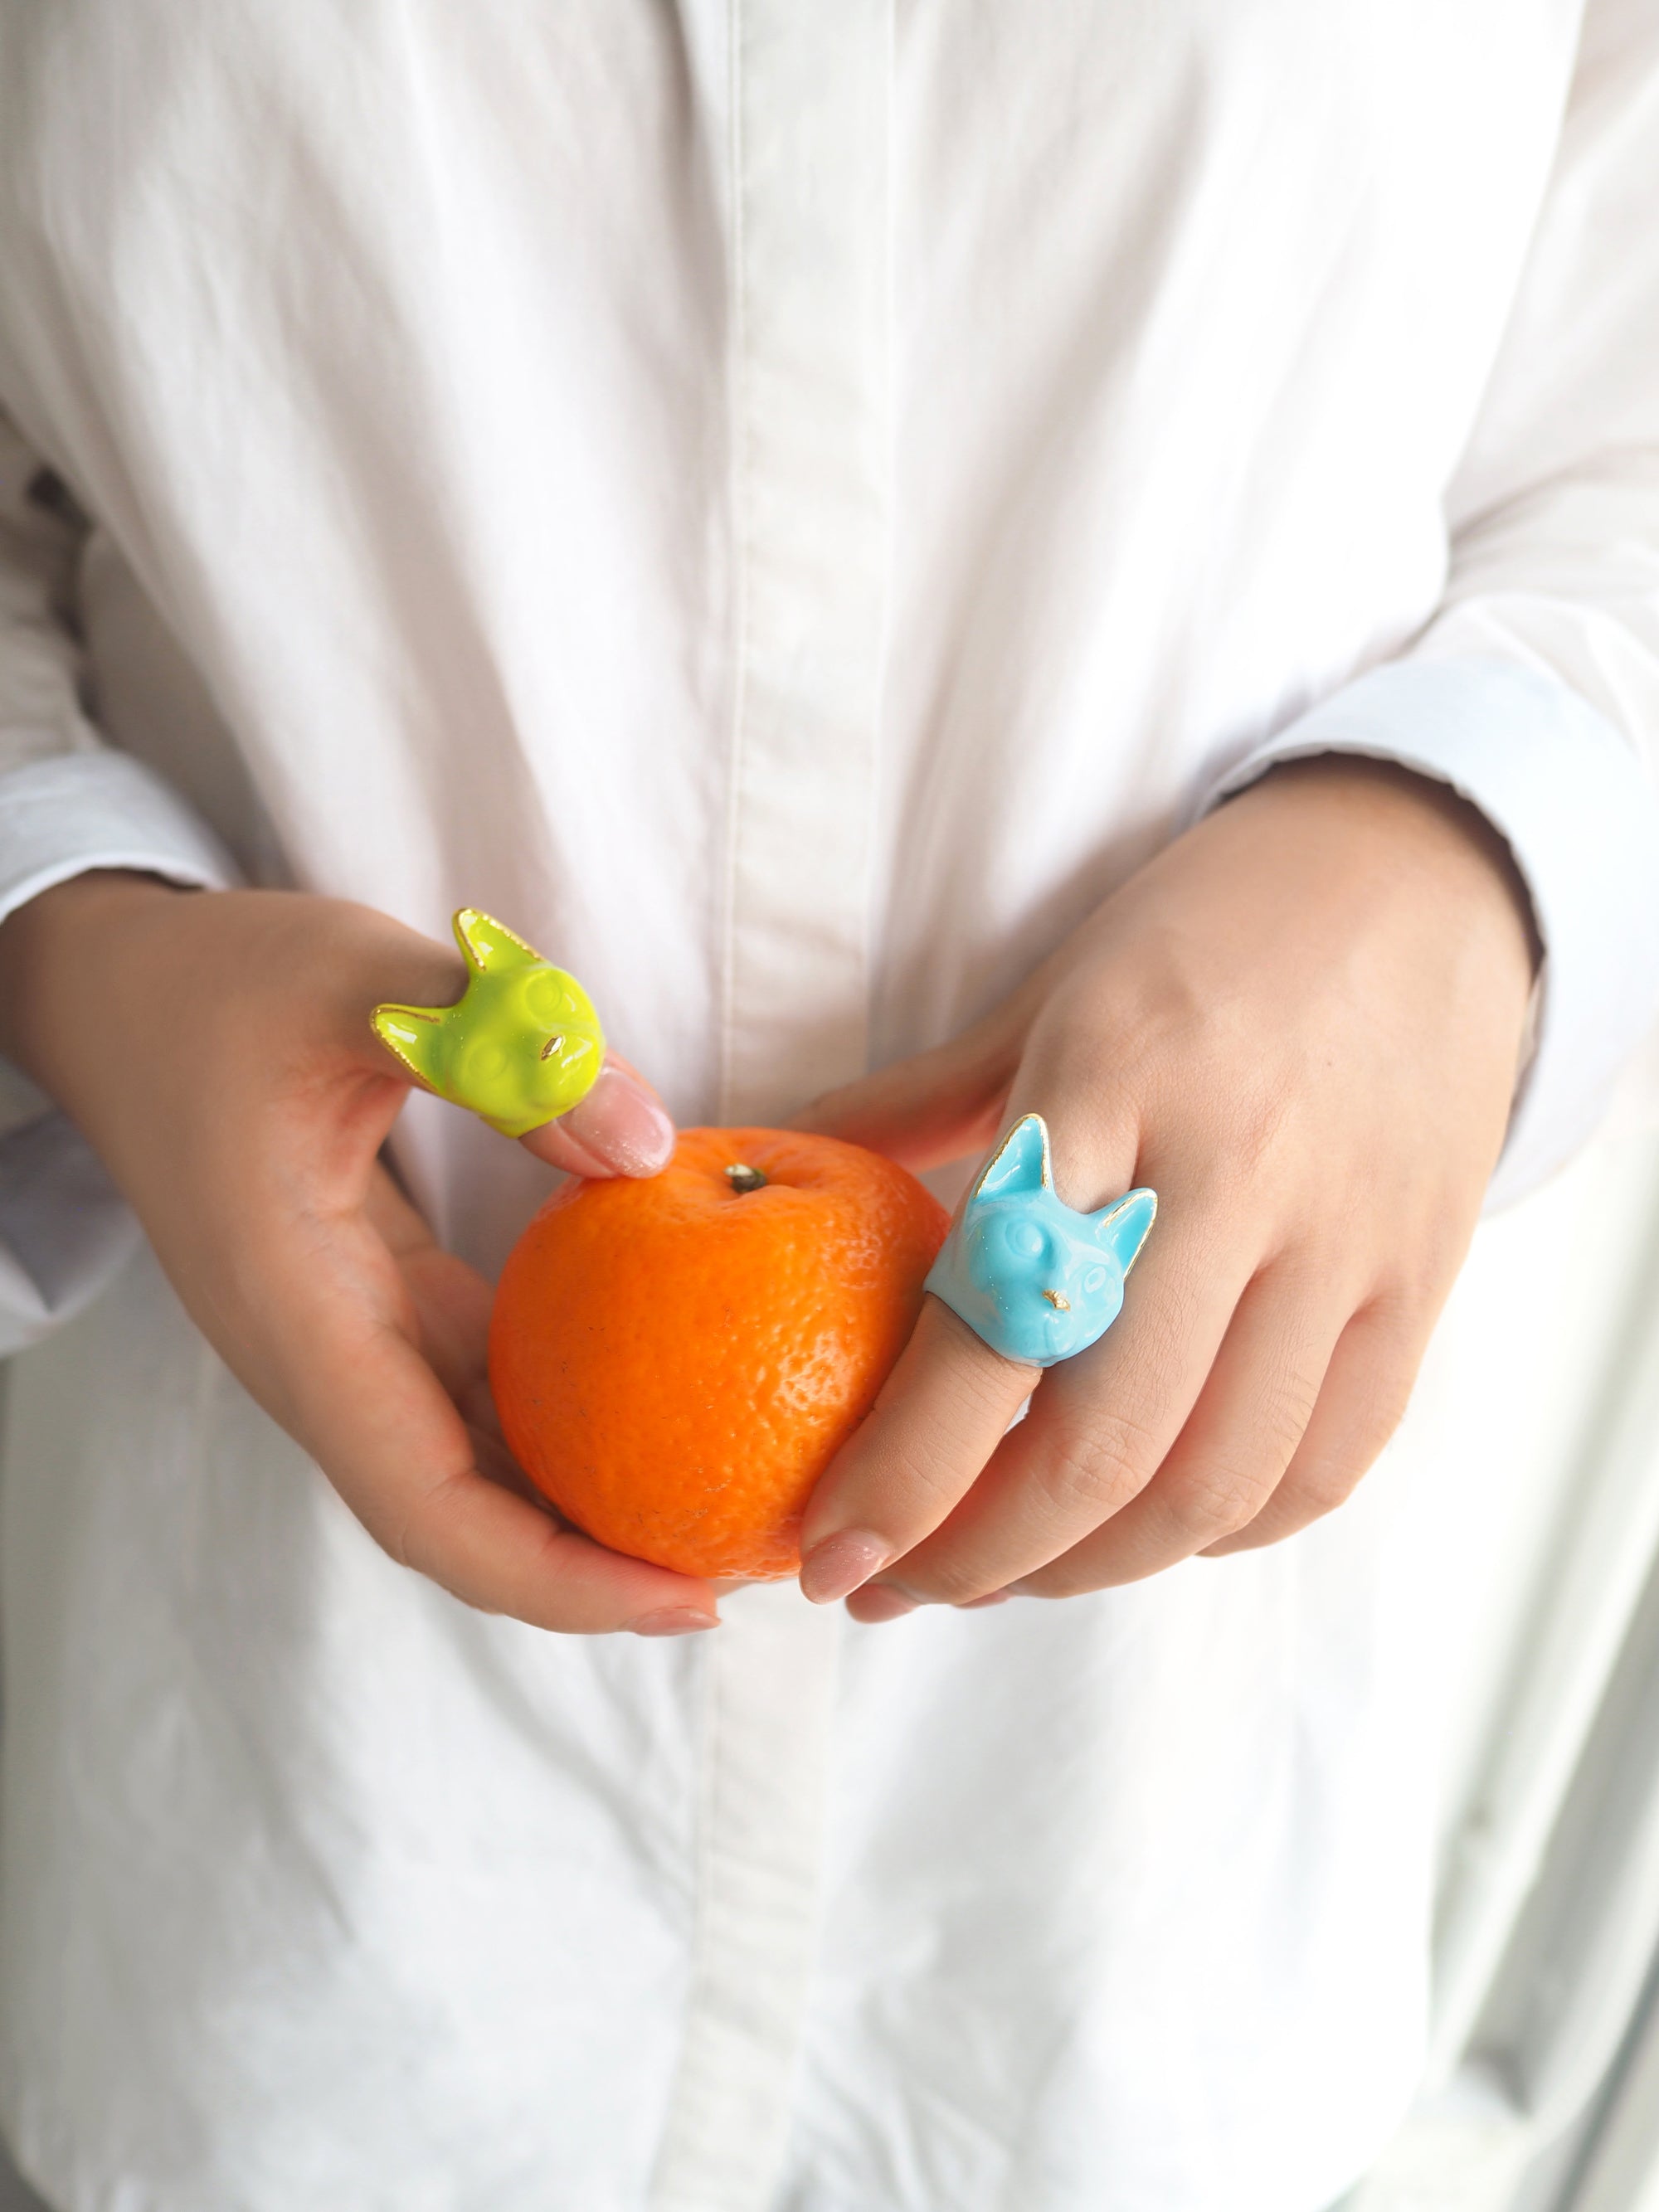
{"x":676,"y":1360}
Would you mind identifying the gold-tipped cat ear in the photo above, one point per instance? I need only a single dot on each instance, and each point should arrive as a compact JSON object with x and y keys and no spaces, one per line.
{"x":407,"y":1030}
{"x":489,"y":947}
{"x":520,"y":1047}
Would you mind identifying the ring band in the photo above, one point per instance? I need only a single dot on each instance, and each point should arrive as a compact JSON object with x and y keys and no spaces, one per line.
{"x":1036,"y":1280}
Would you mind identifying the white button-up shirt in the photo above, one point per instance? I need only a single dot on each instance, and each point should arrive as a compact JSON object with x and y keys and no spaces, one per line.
{"x":787,"y":504}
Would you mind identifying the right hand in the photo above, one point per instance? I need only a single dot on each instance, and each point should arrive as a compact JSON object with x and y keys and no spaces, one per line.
{"x":215,"y":1048}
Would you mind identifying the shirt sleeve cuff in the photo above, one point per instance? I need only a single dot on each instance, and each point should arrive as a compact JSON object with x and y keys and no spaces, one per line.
{"x":1579,"y":811}
{"x":77,"y":811}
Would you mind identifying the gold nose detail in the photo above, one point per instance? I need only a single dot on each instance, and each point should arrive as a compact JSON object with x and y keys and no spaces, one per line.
{"x":1059,"y":1301}
{"x":554,"y":1044}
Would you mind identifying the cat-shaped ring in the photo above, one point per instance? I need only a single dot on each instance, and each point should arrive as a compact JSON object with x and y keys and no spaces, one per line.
{"x":1036,"y":1280}
{"x":521,"y":1046}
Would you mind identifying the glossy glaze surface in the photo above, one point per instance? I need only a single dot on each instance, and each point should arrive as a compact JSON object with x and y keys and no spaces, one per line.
{"x":520,"y":1046}
{"x":1039,"y":1281}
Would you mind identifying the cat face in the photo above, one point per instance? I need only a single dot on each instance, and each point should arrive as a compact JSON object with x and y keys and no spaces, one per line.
{"x":521,"y":1047}
{"x":1036,"y":1279}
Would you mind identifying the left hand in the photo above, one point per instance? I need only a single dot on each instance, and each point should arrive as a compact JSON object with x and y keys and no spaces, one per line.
{"x":215,"y":1048}
{"x":1300,"y":1024}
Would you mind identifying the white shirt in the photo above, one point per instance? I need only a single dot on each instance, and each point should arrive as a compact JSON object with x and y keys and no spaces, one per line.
{"x":788,"y":504}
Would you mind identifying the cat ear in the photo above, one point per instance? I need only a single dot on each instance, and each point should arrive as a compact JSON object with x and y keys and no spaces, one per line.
{"x":411,"y":1033}
{"x":1122,"y":1228}
{"x":1020,"y":1162}
{"x":489,"y":945}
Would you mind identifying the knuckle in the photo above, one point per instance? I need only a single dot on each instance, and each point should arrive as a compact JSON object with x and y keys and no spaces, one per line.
{"x":947,"y":1582}
{"x":416,"y":1540}
{"x":1284,"y":1420}
{"x":1399,"y":1313}
{"x":1385,"y":1417}
{"x":1329,"y":1480}
{"x":1062,"y":1577}
{"x":1096,"y":1470}
{"x":1311,"y":1497}
{"x":1218,"y":1501}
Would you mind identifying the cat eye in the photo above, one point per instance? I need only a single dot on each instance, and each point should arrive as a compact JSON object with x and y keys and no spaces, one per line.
{"x":1094,"y":1279}
{"x":1025,"y":1236}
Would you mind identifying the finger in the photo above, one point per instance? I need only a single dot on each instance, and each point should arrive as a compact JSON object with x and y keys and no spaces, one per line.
{"x":450,"y":1306}
{"x":937,"y":1421}
{"x":1097,"y":1430}
{"x":1233,"y":1448}
{"x":411,"y":1473}
{"x":500,"y":1552}
{"x":950,"y":1398}
{"x":910,"y":1466}
{"x":1367,"y":1387}
{"x":376,"y":1418}
{"x":620,"y":1128}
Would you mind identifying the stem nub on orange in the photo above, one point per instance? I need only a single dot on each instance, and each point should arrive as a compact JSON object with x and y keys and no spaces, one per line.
{"x":676,"y":1360}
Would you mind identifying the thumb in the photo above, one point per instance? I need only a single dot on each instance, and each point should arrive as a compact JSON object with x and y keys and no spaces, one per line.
{"x":938,"y":1106}
{"x":620,"y":1128}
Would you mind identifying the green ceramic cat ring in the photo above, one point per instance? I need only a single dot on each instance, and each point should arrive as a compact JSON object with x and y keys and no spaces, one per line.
{"x":1038,"y":1281}
{"x":520,"y":1047}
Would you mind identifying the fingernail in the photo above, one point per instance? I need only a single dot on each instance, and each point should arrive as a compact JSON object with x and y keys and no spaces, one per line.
{"x":673,"y":1620}
{"x":878,"y":1604}
{"x":991,"y":1597}
{"x":622,"y":1124}
{"x":841,"y":1563}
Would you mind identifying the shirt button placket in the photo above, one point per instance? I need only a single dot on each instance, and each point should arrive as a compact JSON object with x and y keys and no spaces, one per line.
{"x":811,"y":109}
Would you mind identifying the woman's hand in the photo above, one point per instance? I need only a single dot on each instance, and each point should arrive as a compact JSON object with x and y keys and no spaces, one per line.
{"x":1300,"y":1025}
{"x":216,"y":1049}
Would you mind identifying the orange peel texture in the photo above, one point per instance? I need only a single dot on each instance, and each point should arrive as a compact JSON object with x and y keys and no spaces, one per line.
{"x":676,"y":1360}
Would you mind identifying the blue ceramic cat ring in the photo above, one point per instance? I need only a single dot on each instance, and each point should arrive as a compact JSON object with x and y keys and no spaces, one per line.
{"x":1038,"y":1281}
